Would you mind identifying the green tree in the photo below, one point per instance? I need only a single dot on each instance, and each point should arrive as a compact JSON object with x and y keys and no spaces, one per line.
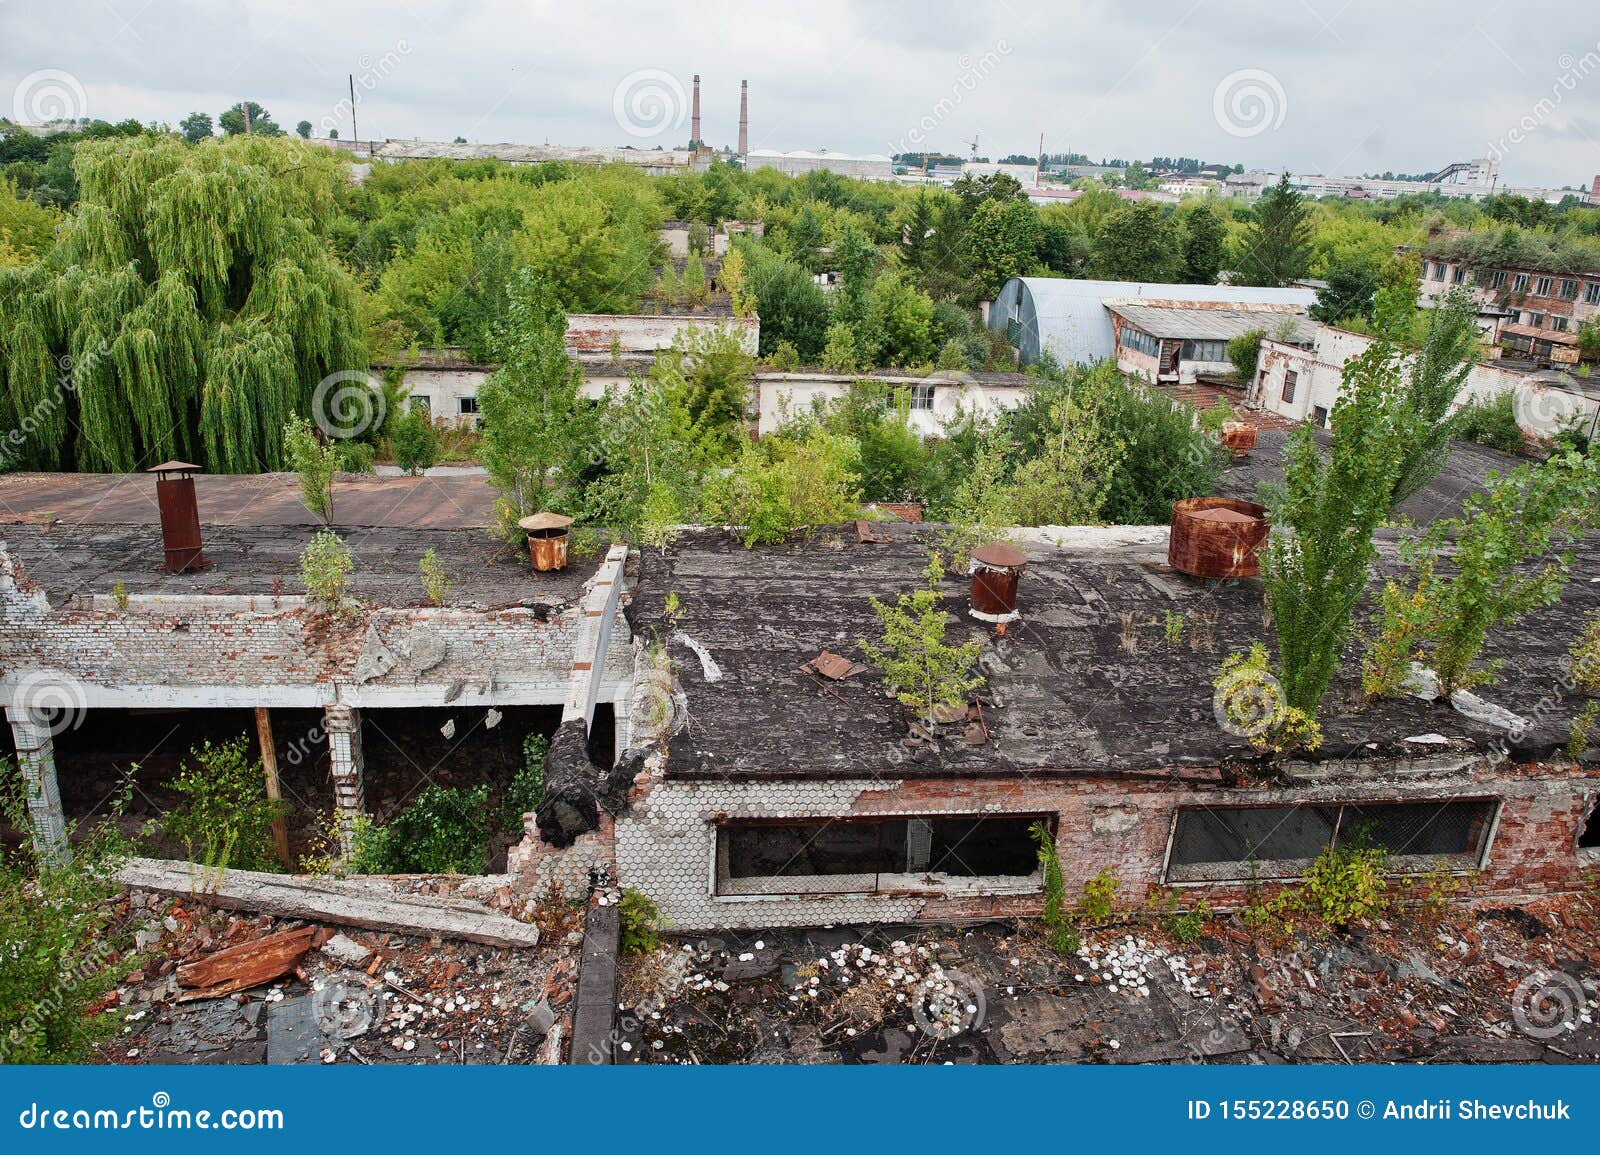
{"x":248,"y":117}
{"x":193,"y":296}
{"x":303,"y":130}
{"x":791,"y":306}
{"x":839,"y":354}
{"x":196,"y":127}
{"x":900,"y":318}
{"x":1000,"y":242}
{"x":1316,"y":559}
{"x":1245,"y":353}
{"x":535,"y":427}
{"x":1276,"y":247}
{"x":1204,"y":236}
{"x":1136,"y":244}
{"x":706,"y":373}
{"x":1068,"y":482}
{"x":1348,"y":294}
{"x":857,"y":259}
{"x":1434,"y":379}
{"x":224,"y":817}
{"x":315,"y":461}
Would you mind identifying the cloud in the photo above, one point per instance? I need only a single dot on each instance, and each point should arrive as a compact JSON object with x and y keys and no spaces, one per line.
{"x":1366,"y":87}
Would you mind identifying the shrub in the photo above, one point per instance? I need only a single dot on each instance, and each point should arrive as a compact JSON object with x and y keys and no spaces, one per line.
{"x":445,"y":831}
{"x":225,"y":818}
{"x":325,"y":568}
{"x":1099,"y":898}
{"x":781,"y":484}
{"x":1582,"y":732}
{"x":527,"y":786}
{"x":65,"y":946}
{"x":354,"y":456}
{"x":434,"y":581}
{"x":1244,"y":351}
{"x":1492,"y":423}
{"x":315,"y":462}
{"x":1252,"y":704}
{"x":414,"y":440}
{"x":641,"y":923}
{"x":1346,"y":884}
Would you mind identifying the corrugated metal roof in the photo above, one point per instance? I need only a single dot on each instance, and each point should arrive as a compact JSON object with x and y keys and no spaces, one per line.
{"x":1073,"y":323}
{"x":1202,"y":324}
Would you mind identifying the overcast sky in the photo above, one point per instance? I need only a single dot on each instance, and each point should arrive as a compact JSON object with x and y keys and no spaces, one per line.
{"x":1339,"y":87}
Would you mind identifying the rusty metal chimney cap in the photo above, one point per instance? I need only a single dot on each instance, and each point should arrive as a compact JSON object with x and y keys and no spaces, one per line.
{"x":545,"y":520}
{"x":999,"y":555}
{"x":175,"y":467}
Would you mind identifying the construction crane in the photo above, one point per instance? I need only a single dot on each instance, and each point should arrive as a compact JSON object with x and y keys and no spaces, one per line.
{"x":972,"y":147}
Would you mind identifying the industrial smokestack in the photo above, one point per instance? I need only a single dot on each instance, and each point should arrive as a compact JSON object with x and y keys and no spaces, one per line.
{"x":744,"y":118}
{"x":694,"y":117}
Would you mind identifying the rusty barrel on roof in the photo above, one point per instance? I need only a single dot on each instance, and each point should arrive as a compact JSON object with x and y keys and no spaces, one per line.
{"x":996,"y":570}
{"x":1216,"y":537}
{"x":180,"y":516}
{"x":547,"y":540}
{"x":1238,"y":437}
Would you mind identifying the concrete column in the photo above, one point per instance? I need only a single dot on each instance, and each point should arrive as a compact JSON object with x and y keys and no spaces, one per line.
{"x":37,"y":758}
{"x":623,"y":728}
{"x":343,"y":727}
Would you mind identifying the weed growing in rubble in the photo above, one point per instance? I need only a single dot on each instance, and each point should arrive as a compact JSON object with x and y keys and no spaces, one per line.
{"x":1429,"y":896}
{"x":325,"y":568}
{"x":1346,"y":884}
{"x":1250,"y":702}
{"x":1056,"y":921}
{"x":119,"y":594}
{"x":434,"y":582}
{"x":1172,"y":626}
{"x":1583,"y":729}
{"x":1099,"y":898}
{"x":1183,"y":926}
{"x":225,"y":818}
{"x":66,"y":943}
{"x":642,"y":923}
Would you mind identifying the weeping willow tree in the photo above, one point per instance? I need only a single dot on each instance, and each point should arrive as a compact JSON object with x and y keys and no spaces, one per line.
{"x":188,"y":308}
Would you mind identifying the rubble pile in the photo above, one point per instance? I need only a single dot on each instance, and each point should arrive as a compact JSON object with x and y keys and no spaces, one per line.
{"x":333,"y":995}
{"x":1489,"y":985}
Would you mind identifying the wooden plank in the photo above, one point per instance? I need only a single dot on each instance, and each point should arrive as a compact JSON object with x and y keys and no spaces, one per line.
{"x":368,"y":903}
{"x":269,"y":766}
{"x":249,"y":964}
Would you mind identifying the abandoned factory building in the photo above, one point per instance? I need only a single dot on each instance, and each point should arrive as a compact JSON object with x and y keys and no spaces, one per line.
{"x":719,"y":738}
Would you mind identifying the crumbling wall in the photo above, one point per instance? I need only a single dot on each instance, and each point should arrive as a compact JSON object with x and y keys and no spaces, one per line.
{"x":665,"y":843}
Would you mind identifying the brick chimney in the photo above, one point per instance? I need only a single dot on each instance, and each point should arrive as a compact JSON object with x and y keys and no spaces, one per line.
{"x":694,"y":117}
{"x":180,"y":516}
{"x":744,"y":118}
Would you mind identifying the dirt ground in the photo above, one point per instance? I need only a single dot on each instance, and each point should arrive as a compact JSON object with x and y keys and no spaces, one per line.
{"x":1499,"y":984}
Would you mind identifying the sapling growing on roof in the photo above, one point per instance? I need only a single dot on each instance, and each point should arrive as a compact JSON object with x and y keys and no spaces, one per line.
{"x":923,"y":670}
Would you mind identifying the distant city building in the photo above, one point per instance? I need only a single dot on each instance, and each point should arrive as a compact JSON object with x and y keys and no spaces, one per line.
{"x":656,"y":162}
{"x":872,"y":166}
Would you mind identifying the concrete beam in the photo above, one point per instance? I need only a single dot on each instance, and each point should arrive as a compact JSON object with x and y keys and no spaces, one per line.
{"x":599,"y":613}
{"x":30,"y":730}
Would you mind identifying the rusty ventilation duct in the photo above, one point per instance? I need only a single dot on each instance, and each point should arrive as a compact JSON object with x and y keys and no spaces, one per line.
{"x":180,"y":516}
{"x":1216,"y":537}
{"x":1238,"y":438}
{"x":996,"y":570}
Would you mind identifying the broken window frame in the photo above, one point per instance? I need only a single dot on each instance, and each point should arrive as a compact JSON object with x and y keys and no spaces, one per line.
{"x":1485,"y":826}
{"x":880,"y":884}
